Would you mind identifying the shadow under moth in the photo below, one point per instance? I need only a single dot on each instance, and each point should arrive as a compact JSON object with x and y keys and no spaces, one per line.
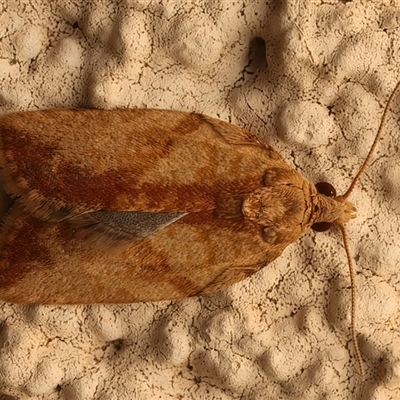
{"x":134,"y":205}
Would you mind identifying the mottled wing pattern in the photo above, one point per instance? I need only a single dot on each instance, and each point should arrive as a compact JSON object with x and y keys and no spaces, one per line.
{"x":168,"y":185}
{"x":63,"y":163}
{"x":48,"y":263}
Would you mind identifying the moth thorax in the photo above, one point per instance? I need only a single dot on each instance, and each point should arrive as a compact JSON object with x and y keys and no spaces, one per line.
{"x":274,"y":205}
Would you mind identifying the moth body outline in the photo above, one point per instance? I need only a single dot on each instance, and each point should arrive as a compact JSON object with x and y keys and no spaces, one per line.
{"x":211,"y":202}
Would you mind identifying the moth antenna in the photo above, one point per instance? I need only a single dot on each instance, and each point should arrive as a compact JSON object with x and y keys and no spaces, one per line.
{"x":374,"y":144}
{"x":352,"y":274}
{"x":378,"y":135}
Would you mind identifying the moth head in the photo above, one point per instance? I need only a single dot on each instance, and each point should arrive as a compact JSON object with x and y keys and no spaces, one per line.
{"x":330,"y":209}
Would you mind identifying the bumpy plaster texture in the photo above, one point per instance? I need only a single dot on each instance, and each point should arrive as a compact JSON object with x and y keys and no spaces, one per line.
{"x":310,"y":78}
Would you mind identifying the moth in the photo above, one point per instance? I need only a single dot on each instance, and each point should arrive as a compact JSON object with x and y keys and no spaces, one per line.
{"x":133,"y":205}
{"x":121,"y":206}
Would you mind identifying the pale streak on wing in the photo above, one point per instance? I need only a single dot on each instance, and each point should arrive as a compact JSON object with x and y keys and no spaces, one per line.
{"x":115,"y":228}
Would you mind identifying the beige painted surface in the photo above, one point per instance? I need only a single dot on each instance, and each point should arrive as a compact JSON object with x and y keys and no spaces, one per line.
{"x":316,"y":92}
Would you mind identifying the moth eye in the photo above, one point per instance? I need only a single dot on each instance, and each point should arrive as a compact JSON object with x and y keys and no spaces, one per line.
{"x":321,"y":226}
{"x":326,"y":189}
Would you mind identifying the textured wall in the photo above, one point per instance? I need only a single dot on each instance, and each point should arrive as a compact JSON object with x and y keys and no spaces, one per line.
{"x":311,"y":78}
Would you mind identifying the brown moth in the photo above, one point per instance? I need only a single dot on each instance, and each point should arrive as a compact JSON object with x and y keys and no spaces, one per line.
{"x":191,"y":203}
{"x":124,"y":206}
